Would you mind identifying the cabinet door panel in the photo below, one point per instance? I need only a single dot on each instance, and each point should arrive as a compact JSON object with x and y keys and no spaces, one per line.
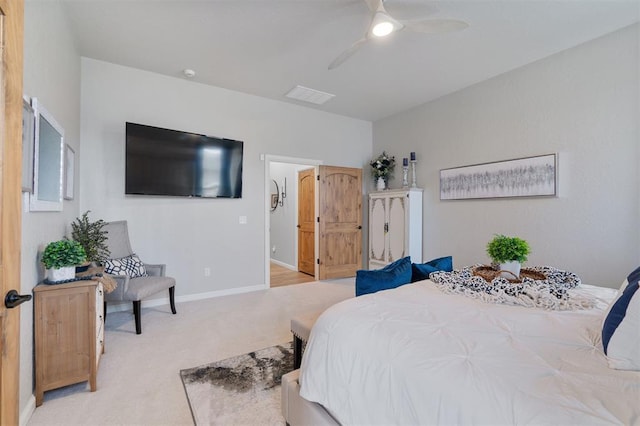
{"x":67,"y":336}
{"x":67,"y":319}
{"x":401,"y":211}
{"x":377,"y":234}
{"x":397,"y":228}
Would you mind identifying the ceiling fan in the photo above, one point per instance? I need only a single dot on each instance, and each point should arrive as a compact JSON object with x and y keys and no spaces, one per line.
{"x":382,"y":24}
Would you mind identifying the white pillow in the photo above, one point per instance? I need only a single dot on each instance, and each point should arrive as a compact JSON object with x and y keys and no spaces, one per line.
{"x":131,"y":266}
{"x":621,"y":327}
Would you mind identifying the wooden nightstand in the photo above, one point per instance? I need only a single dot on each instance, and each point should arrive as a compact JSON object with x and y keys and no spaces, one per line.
{"x":69,"y":334}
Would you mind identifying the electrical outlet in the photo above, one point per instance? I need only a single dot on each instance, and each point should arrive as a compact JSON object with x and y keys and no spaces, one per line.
{"x":207,"y":272}
{"x":273,"y":249}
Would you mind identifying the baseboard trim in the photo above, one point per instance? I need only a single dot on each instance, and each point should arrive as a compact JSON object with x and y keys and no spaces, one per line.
{"x":284,"y":265}
{"x":126,"y":306}
{"x":27,"y":411}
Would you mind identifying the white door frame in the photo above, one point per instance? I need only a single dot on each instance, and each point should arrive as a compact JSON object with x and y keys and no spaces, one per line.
{"x":268,"y":159}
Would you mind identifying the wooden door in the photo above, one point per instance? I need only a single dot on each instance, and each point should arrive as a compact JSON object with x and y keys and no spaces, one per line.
{"x":340,"y":226}
{"x":11,"y":34}
{"x":306,"y":221}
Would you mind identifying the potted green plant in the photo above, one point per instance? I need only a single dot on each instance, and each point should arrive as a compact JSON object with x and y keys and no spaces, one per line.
{"x":92,"y":237}
{"x":60,"y":259}
{"x":508,"y":253}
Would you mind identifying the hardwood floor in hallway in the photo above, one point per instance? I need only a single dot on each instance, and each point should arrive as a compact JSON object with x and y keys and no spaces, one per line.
{"x":281,"y":276}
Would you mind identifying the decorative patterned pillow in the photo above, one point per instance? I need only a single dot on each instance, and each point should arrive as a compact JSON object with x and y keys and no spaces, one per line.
{"x":131,"y":266}
{"x":391,"y":276}
{"x":620,"y":330}
{"x":421,"y":271}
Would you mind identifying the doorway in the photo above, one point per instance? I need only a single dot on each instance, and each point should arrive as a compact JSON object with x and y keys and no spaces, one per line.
{"x":281,"y":232}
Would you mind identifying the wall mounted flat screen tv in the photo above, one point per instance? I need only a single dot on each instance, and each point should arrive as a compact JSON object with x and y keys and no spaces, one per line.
{"x":169,"y":162}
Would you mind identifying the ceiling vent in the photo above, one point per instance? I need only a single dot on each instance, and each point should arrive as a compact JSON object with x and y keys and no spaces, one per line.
{"x":305,"y":94}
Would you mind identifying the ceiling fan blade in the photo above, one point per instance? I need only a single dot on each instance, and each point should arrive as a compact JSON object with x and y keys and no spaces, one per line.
{"x":435,"y":26}
{"x":347,"y":53}
{"x":413,"y":10}
{"x":373,"y":4}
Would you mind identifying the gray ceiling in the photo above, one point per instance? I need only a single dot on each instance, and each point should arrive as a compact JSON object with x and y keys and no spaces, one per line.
{"x":266,"y":47}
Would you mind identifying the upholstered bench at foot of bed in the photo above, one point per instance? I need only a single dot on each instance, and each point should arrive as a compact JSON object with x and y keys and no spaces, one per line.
{"x":301,"y":328}
{"x":296,"y":410}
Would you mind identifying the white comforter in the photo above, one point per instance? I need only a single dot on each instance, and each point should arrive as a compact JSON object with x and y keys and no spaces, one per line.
{"x":414,"y":355}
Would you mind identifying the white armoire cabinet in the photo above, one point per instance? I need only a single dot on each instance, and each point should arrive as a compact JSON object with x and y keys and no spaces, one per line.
{"x":395,"y":226}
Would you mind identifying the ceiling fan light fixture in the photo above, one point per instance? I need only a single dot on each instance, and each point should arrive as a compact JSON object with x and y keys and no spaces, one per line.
{"x":382,"y":25}
{"x":382,"y":29}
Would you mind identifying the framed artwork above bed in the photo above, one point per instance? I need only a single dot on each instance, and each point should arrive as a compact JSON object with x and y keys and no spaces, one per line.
{"x":523,"y":177}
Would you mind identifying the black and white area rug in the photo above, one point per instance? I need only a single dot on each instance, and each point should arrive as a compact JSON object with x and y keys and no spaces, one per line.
{"x":243,"y":390}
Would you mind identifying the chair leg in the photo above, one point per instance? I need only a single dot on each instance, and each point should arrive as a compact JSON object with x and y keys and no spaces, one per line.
{"x":136,"y":314}
{"x":104,"y":312}
{"x":172,"y":299}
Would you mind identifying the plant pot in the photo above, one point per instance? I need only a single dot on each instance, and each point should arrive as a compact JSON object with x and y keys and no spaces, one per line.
{"x":83,"y":267}
{"x":513,"y":267}
{"x":381,"y":185}
{"x":61,"y":274}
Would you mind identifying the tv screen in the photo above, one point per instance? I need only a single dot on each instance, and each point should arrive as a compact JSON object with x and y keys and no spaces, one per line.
{"x":169,"y":162}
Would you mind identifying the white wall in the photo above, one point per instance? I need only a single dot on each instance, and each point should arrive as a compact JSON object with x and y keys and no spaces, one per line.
{"x":52,"y":74}
{"x":191,"y":234}
{"x":285,"y":218}
{"x":581,"y":103}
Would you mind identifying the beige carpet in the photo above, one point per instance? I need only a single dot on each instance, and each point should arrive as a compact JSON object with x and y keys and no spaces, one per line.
{"x":138,"y":380}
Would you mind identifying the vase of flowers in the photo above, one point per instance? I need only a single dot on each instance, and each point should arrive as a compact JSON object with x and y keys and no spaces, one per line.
{"x":382,"y":169}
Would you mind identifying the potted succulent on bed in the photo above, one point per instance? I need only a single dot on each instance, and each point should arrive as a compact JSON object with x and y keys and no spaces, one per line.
{"x":92,"y":237}
{"x":508,"y":253}
{"x":60,"y":259}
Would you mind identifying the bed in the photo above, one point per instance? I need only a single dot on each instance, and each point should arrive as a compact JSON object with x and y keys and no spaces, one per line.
{"x":416,"y":355}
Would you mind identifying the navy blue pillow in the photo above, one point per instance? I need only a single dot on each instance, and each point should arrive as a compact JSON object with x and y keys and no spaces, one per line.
{"x":391,"y":276}
{"x":621,"y":324}
{"x":421,"y":271}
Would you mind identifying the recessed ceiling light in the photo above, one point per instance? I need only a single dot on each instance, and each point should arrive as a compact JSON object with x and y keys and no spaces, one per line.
{"x":305,"y":94}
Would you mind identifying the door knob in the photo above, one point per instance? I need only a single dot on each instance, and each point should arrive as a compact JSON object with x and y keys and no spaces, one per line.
{"x":13,"y":299}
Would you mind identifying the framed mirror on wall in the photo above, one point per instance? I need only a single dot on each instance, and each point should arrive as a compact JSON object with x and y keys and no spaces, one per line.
{"x":48,"y":161}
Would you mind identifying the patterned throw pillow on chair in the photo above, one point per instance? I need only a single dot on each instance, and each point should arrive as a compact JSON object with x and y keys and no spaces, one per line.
{"x":131,"y":266}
